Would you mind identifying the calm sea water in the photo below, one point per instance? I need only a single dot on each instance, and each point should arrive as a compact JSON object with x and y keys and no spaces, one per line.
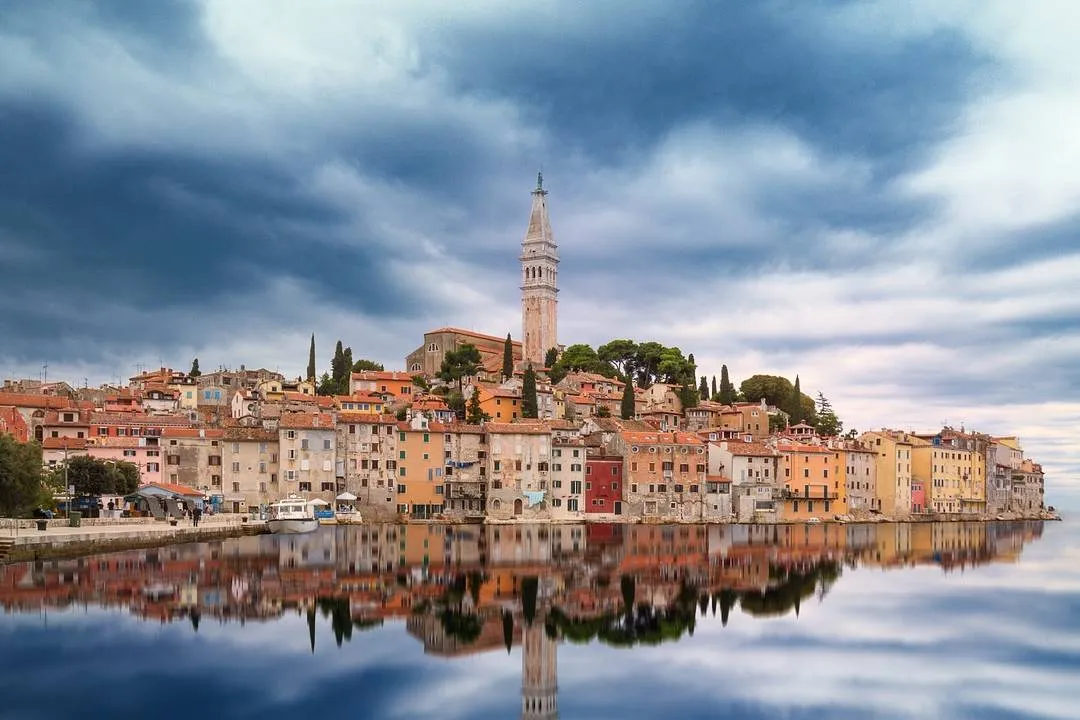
{"x":892,"y":621}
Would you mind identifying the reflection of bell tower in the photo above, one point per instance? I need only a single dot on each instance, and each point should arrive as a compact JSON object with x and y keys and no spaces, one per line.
{"x":539,"y":674}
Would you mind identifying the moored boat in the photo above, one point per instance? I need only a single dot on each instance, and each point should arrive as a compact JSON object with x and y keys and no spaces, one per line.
{"x":291,"y":516}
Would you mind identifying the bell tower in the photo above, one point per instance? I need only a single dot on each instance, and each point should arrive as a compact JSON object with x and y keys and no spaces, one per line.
{"x":539,"y":282}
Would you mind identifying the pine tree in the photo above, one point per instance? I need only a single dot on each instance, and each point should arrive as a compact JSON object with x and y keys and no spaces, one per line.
{"x":628,"y":408}
{"x":311,"y":360}
{"x":715,"y":393}
{"x":195,"y":372}
{"x":795,"y":409}
{"x":529,"y":407}
{"x":508,"y":358}
{"x":703,"y":388}
{"x":727,"y":390}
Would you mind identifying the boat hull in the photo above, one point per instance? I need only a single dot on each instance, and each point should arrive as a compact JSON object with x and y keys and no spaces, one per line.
{"x":292,"y":526}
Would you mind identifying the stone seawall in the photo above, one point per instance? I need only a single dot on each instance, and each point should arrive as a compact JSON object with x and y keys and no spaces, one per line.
{"x":77,"y":542}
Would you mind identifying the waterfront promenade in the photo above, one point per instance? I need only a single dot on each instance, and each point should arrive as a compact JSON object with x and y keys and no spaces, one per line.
{"x":21,"y":540}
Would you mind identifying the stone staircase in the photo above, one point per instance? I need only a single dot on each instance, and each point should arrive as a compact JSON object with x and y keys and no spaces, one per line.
{"x":6,"y":544}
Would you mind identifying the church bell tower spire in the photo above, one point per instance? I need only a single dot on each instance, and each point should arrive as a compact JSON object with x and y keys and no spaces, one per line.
{"x":539,"y":285}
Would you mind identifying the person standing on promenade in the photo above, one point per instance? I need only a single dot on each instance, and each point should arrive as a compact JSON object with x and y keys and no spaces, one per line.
{"x":196,"y":515}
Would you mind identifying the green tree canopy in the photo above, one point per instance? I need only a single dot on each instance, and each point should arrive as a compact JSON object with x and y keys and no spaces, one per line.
{"x":828,"y":423}
{"x":20,"y":477}
{"x":529,"y":405}
{"x":363,"y":364}
{"x":95,"y":476}
{"x":195,"y":372}
{"x":311,"y":360}
{"x":780,"y":392}
{"x":550,"y":357}
{"x":794,"y":407}
{"x":459,"y":364}
{"x":703,"y":388}
{"x":621,"y":355}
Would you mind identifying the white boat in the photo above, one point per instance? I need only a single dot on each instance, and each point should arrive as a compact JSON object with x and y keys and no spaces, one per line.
{"x":292,"y":516}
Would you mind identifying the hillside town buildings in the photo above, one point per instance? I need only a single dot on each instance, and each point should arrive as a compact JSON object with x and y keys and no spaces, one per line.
{"x":250,"y":436}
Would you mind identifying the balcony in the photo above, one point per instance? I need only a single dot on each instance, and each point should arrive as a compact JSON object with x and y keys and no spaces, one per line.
{"x":818,"y":492}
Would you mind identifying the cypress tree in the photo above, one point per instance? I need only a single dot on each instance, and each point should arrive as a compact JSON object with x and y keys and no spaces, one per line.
{"x":311,"y":360}
{"x":337,"y":363}
{"x":550,"y":357}
{"x":628,"y":408}
{"x":195,"y":372}
{"x":703,"y":389}
{"x":715,"y":393}
{"x":795,"y":411}
{"x":727,"y":390}
{"x":529,"y":407}
{"x":508,"y":358}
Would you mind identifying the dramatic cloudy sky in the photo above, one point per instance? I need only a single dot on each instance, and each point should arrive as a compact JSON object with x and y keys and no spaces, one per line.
{"x":879,"y":196}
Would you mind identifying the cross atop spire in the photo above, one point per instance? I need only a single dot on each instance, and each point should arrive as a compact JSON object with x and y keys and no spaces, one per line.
{"x":540,"y":182}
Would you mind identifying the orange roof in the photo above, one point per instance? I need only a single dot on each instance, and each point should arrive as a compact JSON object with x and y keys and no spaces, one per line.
{"x":307,"y":421}
{"x":385,"y":375}
{"x":528,"y":427}
{"x":754,"y":449}
{"x":470,"y":333}
{"x":348,"y":416}
{"x":28,"y":400}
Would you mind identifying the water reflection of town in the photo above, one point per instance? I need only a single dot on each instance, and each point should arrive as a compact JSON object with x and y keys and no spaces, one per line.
{"x":471,"y":589}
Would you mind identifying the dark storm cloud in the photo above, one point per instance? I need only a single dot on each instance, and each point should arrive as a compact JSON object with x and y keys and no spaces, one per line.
{"x":617,"y":85}
{"x":160,"y":231}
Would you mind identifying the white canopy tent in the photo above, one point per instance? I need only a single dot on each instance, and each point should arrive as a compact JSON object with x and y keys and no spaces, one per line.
{"x":346,"y":497}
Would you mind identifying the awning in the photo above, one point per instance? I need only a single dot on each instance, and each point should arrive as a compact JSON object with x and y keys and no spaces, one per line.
{"x":346,"y":496}
{"x":319,"y":501}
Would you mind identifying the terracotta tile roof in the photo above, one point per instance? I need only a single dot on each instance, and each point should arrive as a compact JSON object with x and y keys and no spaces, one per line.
{"x":752,"y":449}
{"x":717,"y":479}
{"x":560,"y":424}
{"x":348,"y":416}
{"x":44,"y":402}
{"x":661,"y":438}
{"x":470,"y":333}
{"x":383,"y":375}
{"x":430,"y":402}
{"x":100,"y":418}
{"x":52,"y":417}
{"x":528,"y":427}
{"x":307,"y":421}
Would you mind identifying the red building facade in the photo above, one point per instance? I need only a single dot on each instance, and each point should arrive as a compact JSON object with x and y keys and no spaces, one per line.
{"x":604,"y":484}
